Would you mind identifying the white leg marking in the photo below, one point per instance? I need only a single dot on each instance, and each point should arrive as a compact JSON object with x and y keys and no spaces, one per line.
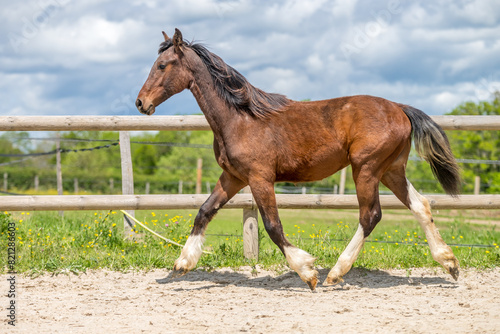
{"x":302,"y":262}
{"x":440,"y":251}
{"x":347,"y":258}
{"x":421,"y":210}
{"x":190,"y":253}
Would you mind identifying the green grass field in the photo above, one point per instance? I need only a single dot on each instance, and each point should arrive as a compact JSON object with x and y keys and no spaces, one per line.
{"x":46,"y":242}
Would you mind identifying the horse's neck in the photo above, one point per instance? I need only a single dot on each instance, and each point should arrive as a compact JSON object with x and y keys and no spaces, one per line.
{"x":214,"y":108}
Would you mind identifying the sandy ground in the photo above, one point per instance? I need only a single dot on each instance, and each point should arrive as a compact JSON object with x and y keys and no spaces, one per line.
{"x":227,"y":301}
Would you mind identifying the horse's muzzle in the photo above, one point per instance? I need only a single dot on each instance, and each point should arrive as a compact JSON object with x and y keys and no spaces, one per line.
{"x":140,"y":106}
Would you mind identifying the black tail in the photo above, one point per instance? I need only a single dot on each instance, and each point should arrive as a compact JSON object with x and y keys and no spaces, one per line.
{"x":432,"y":144}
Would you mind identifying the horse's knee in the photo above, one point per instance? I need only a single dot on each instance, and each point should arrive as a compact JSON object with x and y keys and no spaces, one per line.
{"x":207,"y":210}
{"x":204,"y":216}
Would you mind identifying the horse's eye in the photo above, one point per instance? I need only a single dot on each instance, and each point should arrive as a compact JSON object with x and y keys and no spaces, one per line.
{"x":162,"y":67}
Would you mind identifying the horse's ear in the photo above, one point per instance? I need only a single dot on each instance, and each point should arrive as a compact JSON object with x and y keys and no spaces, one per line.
{"x":178,"y":41}
{"x":165,"y":36}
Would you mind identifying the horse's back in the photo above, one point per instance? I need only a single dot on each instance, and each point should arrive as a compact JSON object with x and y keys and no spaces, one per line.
{"x":347,"y":119}
{"x":375,"y":128}
{"x":318,"y":138}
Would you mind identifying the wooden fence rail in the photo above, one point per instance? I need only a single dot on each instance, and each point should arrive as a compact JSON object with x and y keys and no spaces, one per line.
{"x":102,"y":123}
{"x":184,"y":123}
{"x":240,"y":201}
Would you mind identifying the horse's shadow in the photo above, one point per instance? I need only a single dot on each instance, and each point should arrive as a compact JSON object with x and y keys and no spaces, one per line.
{"x":357,"y":278}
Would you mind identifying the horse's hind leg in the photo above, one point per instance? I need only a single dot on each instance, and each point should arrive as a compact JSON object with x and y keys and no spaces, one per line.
{"x":298,"y":259}
{"x":369,"y":215}
{"x":395,"y":180}
{"x":226,"y":188}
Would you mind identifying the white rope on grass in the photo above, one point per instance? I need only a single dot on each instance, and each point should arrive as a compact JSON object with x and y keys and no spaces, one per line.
{"x":153,"y":232}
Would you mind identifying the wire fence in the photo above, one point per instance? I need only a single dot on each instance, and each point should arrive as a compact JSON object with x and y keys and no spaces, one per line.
{"x":114,"y":142}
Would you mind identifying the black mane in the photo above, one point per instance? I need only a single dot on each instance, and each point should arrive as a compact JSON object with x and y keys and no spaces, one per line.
{"x":164,"y":46}
{"x":233,"y":87}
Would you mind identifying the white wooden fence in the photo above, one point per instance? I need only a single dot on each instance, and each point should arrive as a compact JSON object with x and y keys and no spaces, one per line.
{"x":129,"y":201}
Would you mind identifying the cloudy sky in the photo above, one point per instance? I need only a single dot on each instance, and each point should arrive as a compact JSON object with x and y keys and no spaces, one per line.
{"x":69,"y":57}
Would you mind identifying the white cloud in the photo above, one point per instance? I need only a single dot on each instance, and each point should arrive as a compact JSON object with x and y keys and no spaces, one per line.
{"x":342,"y":9}
{"x":90,"y":39}
{"x":445,"y":100}
{"x":477,"y":11}
{"x":26,"y":94}
{"x":290,"y":14}
{"x":279,"y":80}
{"x":84,"y":57}
{"x":315,"y":63}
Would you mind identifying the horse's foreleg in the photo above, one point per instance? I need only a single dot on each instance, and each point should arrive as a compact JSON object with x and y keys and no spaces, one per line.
{"x":226,"y":188}
{"x":298,"y":259}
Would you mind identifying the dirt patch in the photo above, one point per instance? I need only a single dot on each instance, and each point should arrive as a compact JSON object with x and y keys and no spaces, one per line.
{"x":228,"y":301}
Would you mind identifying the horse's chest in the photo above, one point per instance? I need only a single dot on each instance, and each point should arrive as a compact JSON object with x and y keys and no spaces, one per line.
{"x":227,"y":160}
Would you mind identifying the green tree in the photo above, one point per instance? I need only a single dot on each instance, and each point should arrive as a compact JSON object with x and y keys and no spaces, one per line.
{"x":181,"y":163}
{"x":478,"y":145}
{"x":420,"y":175}
{"x":7,"y":147}
{"x":145,"y":159}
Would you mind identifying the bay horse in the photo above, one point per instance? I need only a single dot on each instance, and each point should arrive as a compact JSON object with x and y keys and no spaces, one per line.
{"x":262,"y":138}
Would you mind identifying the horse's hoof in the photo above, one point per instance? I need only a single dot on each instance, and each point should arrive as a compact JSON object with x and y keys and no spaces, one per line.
{"x":178,"y":273}
{"x":455,"y":273}
{"x":453,"y":267}
{"x":333,"y":280}
{"x":313,"y":282}
{"x":179,"y":270}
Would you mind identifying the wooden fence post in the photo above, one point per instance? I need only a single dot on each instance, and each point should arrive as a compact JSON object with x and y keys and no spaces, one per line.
{"x":5,"y":182}
{"x":59,"y":169}
{"x":198,"y":175}
{"x":343,"y":173}
{"x":250,"y":231}
{"x":477,"y":185}
{"x":37,"y":183}
{"x":180,"y":187}
{"x":75,"y":184}
{"x":127,"y":177}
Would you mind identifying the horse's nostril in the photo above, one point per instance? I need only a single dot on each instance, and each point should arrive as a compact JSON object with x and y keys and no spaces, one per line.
{"x":138,"y":103}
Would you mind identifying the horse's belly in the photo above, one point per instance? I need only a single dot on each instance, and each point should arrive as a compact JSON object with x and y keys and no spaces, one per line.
{"x":308,"y":171}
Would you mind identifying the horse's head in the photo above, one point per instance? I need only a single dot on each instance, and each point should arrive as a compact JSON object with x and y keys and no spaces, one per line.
{"x":168,"y":76}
